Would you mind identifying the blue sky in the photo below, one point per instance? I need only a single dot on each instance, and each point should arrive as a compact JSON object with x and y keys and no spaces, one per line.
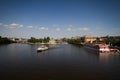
{"x":59,"y":18}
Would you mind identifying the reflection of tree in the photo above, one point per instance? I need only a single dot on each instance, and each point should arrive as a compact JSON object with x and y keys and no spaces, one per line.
{"x":41,"y":53}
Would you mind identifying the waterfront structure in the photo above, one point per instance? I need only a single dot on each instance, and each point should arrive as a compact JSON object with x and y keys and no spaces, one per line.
{"x":52,"y":41}
{"x":19,"y":40}
{"x":89,"y":39}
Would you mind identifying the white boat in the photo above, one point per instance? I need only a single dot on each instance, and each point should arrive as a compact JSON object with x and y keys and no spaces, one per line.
{"x":42,"y":48}
{"x":99,"y":47}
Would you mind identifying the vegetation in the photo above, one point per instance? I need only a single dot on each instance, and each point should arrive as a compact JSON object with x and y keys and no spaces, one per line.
{"x":114,"y":41}
{"x":41,"y":40}
{"x":5,"y":40}
{"x":74,"y":41}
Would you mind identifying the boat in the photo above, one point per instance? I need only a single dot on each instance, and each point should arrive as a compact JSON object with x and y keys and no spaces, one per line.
{"x":42,"y":48}
{"x":98,"y":47}
{"x":114,"y":50}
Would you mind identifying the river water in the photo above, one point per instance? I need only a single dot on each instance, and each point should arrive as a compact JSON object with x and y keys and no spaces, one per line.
{"x":62,"y":62}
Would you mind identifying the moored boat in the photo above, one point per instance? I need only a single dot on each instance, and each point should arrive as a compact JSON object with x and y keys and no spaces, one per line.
{"x":114,"y":50}
{"x":98,"y":47}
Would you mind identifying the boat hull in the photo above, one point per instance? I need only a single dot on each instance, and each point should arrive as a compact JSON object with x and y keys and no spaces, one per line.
{"x":91,"y":50}
{"x":97,"y":48}
{"x":42,"y":49}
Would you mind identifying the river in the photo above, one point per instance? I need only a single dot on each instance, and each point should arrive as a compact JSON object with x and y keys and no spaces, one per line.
{"x":62,"y":62}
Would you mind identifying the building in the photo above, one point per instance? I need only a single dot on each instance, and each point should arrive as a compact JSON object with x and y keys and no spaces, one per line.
{"x":52,"y":41}
{"x":19,"y":40}
{"x":89,"y":39}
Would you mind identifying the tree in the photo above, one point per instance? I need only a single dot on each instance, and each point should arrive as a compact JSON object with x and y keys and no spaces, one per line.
{"x":74,"y":41}
{"x":48,"y":39}
{"x":5,"y":40}
{"x":114,"y":41}
{"x":32,"y":40}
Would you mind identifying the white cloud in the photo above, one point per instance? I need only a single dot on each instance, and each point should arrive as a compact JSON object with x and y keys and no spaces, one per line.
{"x":21,"y":25}
{"x":84,"y":29}
{"x":29,"y":26}
{"x":43,"y":28}
{"x":15,"y":25}
{"x":5,"y":25}
{"x":1,"y":24}
{"x":70,"y":25}
{"x":57,"y":29}
{"x":69,"y":29}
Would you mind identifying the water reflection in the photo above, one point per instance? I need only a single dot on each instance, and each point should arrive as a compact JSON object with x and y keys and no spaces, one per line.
{"x":104,"y":57}
{"x":60,"y":62}
{"x":51,"y":45}
{"x":41,"y":53}
{"x":108,"y":57}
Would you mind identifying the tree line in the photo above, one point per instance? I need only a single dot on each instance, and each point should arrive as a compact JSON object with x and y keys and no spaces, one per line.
{"x":40,"y":40}
{"x":75,"y":41}
{"x":5,"y":40}
{"x":113,"y":41}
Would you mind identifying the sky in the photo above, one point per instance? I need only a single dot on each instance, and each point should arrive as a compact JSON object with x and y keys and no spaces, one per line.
{"x":59,"y":18}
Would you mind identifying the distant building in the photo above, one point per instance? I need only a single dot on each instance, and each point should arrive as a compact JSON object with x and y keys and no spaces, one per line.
{"x":19,"y":40}
{"x":52,"y":41}
{"x":89,"y":39}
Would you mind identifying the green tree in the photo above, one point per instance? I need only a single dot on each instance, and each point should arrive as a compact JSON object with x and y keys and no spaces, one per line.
{"x":74,"y":41}
{"x":48,"y":39}
{"x":32,"y":40}
{"x":5,"y":40}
